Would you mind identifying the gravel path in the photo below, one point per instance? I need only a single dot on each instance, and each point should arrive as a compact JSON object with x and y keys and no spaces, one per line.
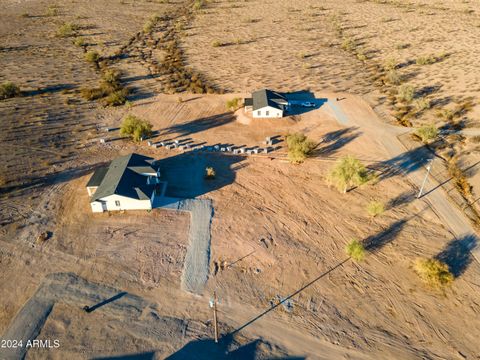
{"x":196,"y":265}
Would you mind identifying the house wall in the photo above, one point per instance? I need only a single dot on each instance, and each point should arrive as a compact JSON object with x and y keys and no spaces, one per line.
{"x":272,"y":112}
{"x":96,"y":206}
{"x":125,"y":203}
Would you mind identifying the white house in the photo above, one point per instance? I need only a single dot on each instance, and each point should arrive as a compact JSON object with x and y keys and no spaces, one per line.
{"x":266,"y":104}
{"x":128,"y":183}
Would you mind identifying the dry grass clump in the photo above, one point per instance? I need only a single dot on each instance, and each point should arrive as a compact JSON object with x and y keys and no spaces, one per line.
{"x":433,"y":272}
{"x":349,"y":44}
{"x":355,"y":250}
{"x":52,"y":10}
{"x":430,"y":59}
{"x":427,"y":133}
{"x":67,"y":29}
{"x":210,"y":173}
{"x":460,"y":179}
{"x":136,"y":128}
{"x":8,"y":90}
{"x":348,"y":172}
{"x":299,"y":147}
{"x":422,"y":104}
{"x":393,"y":78}
{"x":375,"y":208}
{"x":79,"y":41}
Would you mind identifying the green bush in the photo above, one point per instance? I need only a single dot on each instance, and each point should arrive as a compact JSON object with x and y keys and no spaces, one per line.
{"x":135,"y":127}
{"x":79,"y":42}
{"x":427,"y":133}
{"x":299,"y":146}
{"x":348,"y":172}
{"x":67,"y":30}
{"x":355,"y":250}
{"x":375,"y":208}
{"x":406,"y":93}
{"x":433,"y":272}
{"x":116,"y":98}
{"x":8,"y":90}
{"x":233,"y":104}
{"x":92,"y":56}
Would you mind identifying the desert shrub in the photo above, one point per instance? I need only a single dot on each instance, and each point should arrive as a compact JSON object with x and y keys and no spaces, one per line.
{"x":475,"y":139}
{"x":217,"y":43}
{"x":233,"y":104}
{"x":390,"y":64}
{"x":148,"y":26}
{"x":8,"y":90}
{"x":92,"y":56}
{"x":361,"y":56}
{"x":135,"y":127}
{"x":111,"y":77}
{"x":375,"y":208}
{"x":91,"y":94}
{"x":348,"y":44}
{"x":116,"y":98}
{"x":299,"y":146}
{"x":348,"y":172}
{"x":460,"y":179}
{"x":210,"y":173}
{"x":355,"y":250}
{"x":422,"y":104}
{"x":427,"y":133}
{"x":198,"y":4}
{"x":406,"y":93}
{"x":447,"y":114}
{"x":426,"y":60}
{"x":67,"y":30}
{"x":393,"y":77}
{"x":52,"y":10}
{"x":433,"y":272}
{"x":79,"y":42}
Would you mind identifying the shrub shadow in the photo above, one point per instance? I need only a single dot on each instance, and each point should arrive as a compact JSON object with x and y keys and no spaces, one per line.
{"x":457,"y":254}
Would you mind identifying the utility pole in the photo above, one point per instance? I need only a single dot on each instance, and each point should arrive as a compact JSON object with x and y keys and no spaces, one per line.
{"x":213,"y":304}
{"x":429,"y":167}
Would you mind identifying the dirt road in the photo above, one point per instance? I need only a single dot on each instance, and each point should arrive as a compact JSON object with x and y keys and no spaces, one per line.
{"x":412,"y":163}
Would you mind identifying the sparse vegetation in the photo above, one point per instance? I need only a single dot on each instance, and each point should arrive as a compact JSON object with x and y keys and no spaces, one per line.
{"x":52,"y":10}
{"x":427,"y":133}
{"x":355,"y":250}
{"x":210,"y":173}
{"x":233,"y":104}
{"x":79,"y":42}
{"x":375,"y":208}
{"x":92,"y":57}
{"x":406,"y":93}
{"x":393,"y":77}
{"x":422,"y":104}
{"x":299,"y":147}
{"x":348,"y":172}
{"x":433,"y":272}
{"x":460,"y":179}
{"x":67,"y":29}
{"x":8,"y":90}
{"x":136,"y":128}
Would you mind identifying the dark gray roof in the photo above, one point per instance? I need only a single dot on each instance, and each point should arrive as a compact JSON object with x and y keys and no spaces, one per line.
{"x":265,"y":97}
{"x":97,"y":176}
{"x":122,"y":179}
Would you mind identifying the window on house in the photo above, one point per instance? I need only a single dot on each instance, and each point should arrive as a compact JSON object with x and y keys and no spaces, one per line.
{"x":259,"y":113}
{"x":117,"y":203}
{"x":267,"y":113}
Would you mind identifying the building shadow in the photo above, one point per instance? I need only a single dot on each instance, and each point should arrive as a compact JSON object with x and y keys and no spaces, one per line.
{"x":298,"y":99}
{"x":335,"y":140}
{"x":226,"y":349}
{"x":199,"y":125}
{"x":185,"y":173}
{"x":149,"y":355}
{"x":457,"y":254}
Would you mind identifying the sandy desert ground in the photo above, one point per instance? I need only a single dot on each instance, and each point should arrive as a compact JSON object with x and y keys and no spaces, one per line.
{"x":276,"y":226}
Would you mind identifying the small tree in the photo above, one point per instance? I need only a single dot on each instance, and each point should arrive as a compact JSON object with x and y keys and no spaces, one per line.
{"x":433,"y":272}
{"x":67,"y":30}
{"x":427,"y":133}
{"x":348,"y":172}
{"x":406,"y":93}
{"x":375,"y":208}
{"x":355,"y":250}
{"x":299,"y":146}
{"x":135,"y":128}
{"x":8,"y":90}
{"x":233,"y":104}
{"x":210,"y":173}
